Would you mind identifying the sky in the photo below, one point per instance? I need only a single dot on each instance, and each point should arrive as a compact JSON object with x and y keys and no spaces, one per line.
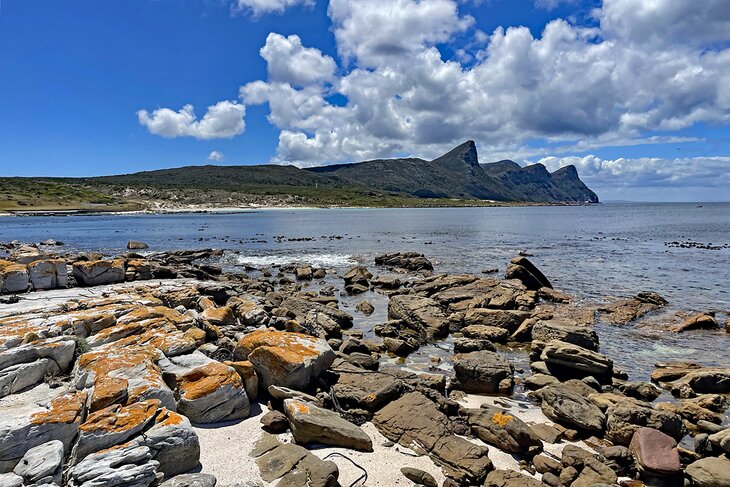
{"x":634,"y":93}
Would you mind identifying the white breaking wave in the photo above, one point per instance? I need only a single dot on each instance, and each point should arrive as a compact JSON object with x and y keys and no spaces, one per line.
{"x":317,"y":260}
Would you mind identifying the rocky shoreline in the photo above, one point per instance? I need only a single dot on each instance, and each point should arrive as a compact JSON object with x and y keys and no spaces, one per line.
{"x":160,"y":368}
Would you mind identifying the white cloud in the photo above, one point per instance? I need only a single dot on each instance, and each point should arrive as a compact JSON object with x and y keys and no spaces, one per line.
{"x":261,"y":7}
{"x":289,"y":62}
{"x":571,"y":86}
{"x":553,"y":4}
{"x":647,"y":172}
{"x":222,"y":121}
{"x":216,"y":156}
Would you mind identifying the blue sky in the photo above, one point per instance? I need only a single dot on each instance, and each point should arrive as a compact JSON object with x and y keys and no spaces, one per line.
{"x":636,"y":97}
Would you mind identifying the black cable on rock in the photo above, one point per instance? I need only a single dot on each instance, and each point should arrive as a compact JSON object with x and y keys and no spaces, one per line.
{"x":363,"y":477}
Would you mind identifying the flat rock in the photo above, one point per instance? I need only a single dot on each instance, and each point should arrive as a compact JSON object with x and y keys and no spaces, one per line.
{"x":312,"y":424}
{"x":484,"y":372}
{"x":655,"y":451}
{"x":627,"y":416}
{"x":411,"y":261}
{"x":709,"y":472}
{"x":125,"y":465}
{"x":191,"y":480}
{"x":510,"y":478}
{"x":285,"y":359}
{"x":98,"y":272}
{"x":371,"y":391}
{"x":549,"y":330}
{"x":568,"y":360}
{"x":421,"y":314}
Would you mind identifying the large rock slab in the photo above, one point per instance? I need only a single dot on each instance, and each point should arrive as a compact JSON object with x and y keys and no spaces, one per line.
{"x":655,"y":452}
{"x":411,"y":261}
{"x":626,"y":417}
{"x":510,"y":478}
{"x":569,"y":408}
{"x":549,"y":330}
{"x":28,"y":365}
{"x":421,"y":314}
{"x":506,"y":319}
{"x":285,"y":359}
{"x":36,"y":417}
{"x":503,"y":430}
{"x":709,"y":472}
{"x":483,"y":372}
{"x":98,"y":272}
{"x":312,"y":424}
{"x":14,"y":277}
{"x":568,"y":361}
{"x":42,"y":464}
{"x":172,"y":442}
{"x":523,"y":270}
{"x":372,"y":391}
{"x":627,"y":310}
{"x":126,"y":465}
{"x":48,"y":274}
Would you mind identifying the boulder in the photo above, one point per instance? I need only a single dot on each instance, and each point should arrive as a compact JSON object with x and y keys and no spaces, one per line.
{"x":483,"y":372}
{"x":365,"y":307}
{"x":312,"y":424}
{"x":42,"y":464}
{"x":507,"y":319}
{"x":304,"y":273}
{"x":511,"y":478}
{"x":466,"y":345}
{"x":191,"y":480}
{"x":172,"y":442}
{"x":274,"y":422}
{"x":483,"y":332}
{"x":135,"y":245}
{"x":357,"y":280}
{"x":421,"y":314}
{"x":702,"y":321}
{"x":285,"y":359}
{"x":303,"y":307}
{"x":355,"y":390}
{"x":721,"y":440}
{"x":565,"y":360}
{"x":627,"y":416}
{"x":48,"y":274}
{"x":549,"y":330}
{"x":411,"y":261}
{"x":14,"y":278}
{"x":503,"y":430}
{"x":655,"y":452}
{"x":522,"y":269}
{"x":709,"y":472}
{"x":126,"y":465}
{"x":419,"y":477}
{"x":569,"y":408}
{"x":293,"y":464}
{"x":98,"y":272}
{"x":627,"y":310}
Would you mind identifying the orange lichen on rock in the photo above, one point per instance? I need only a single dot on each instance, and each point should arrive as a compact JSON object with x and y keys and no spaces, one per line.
{"x":108,"y":391}
{"x":206,"y":379}
{"x":144,"y":313}
{"x":501,"y":419}
{"x":65,"y":409}
{"x":294,"y":345}
{"x":298,"y":408}
{"x":165,"y":417}
{"x":118,"y":419}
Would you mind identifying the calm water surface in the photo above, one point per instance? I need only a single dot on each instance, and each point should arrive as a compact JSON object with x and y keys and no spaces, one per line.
{"x":594,"y":252}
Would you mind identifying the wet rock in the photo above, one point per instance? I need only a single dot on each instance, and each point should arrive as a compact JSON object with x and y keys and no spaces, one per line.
{"x":702,"y":321}
{"x":483,"y":372}
{"x":285,"y":359}
{"x":191,"y":480}
{"x":128,"y":465}
{"x":709,"y":472}
{"x":655,"y":452}
{"x":627,"y":310}
{"x":419,"y":477}
{"x":721,"y":440}
{"x":486,"y":333}
{"x":549,"y":330}
{"x":274,"y":422}
{"x":509,"y":320}
{"x":644,"y":391}
{"x":567,"y":407}
{"x":136,"y":245}
{"x":627,"y":416}
{"x":364,"y":360}
{"x":523,"y":269}
{"x":568,"y":360}
{"x":400,"y":348}
{"x":357,"y":280}
{"x":503,"y":430}
{"x":510,"y":478}
{"x":304,"y":273}
{"x":421,"y":314}
{"x":98,"y":272}
{"x":365,"y":307}
{"x":42,"y":463}
{"x":466,"y":345}
{"x":312,"y":424}
{"x":411,"y":261}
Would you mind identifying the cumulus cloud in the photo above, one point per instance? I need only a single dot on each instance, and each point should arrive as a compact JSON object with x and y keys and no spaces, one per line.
{"x":647,"y":172}
{"x":216,"y":156}
{"x":290,"y":62}
{"x":646,"y":67}
{"x":552,"y":4}
{"x":222,"y":121}
{"x":261,"y":7}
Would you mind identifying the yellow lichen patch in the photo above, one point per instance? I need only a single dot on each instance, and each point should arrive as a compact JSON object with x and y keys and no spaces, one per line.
{"x":118,"y":419}
{"x":501,"y":419}
{"x":107,"y":391}
{"x":298,"y":408}
{"x":65,"y":409}
{"x":244,"y":368}
{"x":144,"y":313}
{"x":207,"y":379}
{"x":294,"y":346}
{"x":223,"y":315}
{"x":6,"y":267}
{"x":168,"y":418}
